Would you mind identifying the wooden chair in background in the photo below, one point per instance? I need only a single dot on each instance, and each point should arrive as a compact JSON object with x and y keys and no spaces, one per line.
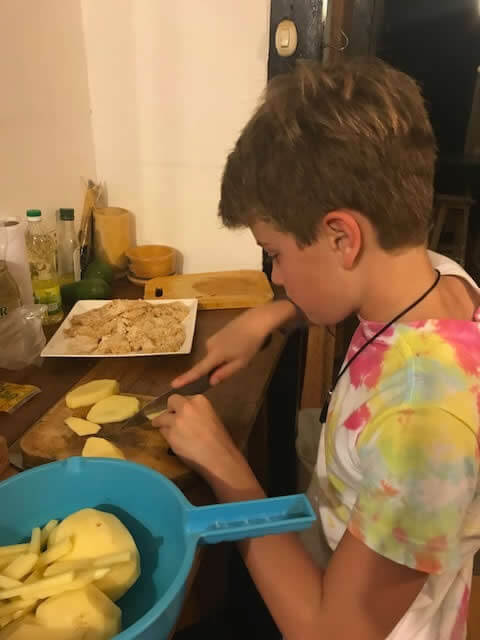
{"x":318,"y":366}
{"x":317,"y":372}
{"x":450,"y":226}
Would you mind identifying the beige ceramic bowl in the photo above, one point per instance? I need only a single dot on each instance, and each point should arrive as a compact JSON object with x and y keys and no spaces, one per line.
{"x":152,"y":260}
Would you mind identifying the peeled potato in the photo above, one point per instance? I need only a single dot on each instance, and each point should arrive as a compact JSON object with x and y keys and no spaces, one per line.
{"x":96,"y":533}
{"x":82,"y":427}
{"x":113,"y":409}
{"x":20,"y":614}
{"x":101,"y":448}
{"x":90,"y":393}
{"x":29,"y":629}
{"x":88,"y":609}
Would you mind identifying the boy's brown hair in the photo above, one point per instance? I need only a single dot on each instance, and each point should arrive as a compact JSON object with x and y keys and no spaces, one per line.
{"x":352,"y":135}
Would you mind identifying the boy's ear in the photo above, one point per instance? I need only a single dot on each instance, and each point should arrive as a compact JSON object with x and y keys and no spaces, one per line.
{"x":344,"y":236}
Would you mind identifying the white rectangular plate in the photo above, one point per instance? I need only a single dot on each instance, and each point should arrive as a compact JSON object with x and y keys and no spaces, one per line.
{"x":58,"y":345}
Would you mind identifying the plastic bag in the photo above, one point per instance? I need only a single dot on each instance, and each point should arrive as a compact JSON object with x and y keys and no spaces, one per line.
{"x":21,"y":337}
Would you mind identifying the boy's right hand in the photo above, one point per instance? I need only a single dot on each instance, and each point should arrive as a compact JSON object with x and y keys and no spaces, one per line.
{"x":234,"y":346}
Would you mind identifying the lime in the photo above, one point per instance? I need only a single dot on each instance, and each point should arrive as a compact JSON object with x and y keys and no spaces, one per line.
{"x":99,"y":269}
{"x":91,"y":289}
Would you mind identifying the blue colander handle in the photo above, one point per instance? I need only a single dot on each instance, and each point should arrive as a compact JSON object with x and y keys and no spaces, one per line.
{"x":251,"y":519}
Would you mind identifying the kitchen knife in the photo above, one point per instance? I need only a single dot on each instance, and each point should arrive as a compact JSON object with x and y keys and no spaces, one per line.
{"x":160,"y":403}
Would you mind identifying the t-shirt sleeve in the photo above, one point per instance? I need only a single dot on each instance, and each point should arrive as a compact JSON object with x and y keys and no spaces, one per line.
{"x":419,"y":477}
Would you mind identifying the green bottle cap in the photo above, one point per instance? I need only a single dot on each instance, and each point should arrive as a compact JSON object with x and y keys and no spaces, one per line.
{"x":34,"y":213}
{"x":67,"y":214}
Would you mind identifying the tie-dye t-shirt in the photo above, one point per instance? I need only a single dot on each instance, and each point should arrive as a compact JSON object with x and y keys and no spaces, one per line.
{"x":398,"y":460}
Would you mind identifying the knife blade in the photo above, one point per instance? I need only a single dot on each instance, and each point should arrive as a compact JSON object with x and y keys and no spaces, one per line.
{"x":159,"y":404}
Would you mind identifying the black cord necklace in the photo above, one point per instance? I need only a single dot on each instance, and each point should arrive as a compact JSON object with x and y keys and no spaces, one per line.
{"x":324,"y":413}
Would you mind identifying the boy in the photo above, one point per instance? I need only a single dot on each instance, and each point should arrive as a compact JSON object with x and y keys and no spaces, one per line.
{"x":334,"y":176}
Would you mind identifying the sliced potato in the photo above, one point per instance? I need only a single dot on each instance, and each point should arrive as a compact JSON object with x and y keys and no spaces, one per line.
{"x":13,"y":549}
{"x":90,"y":393}
{"x":67,"y":565}
{"x":107,"y":561}
{"x":35,"y":541}
{"x":52,"y":586}
{"x":112,"y":559}
{"x":18,"y":604}
{"x":46,"y":531}
{"x":21,"y":566}
{"x":9,"y":583}
{"x":43,"y":586}
{"x":55,"y":552}
{"x":18,"y":615}
{"x":82,"y":427}
{"x":101,"y":448}
{"x":6,"y":560}
{"x":97,"y":534}
{"x":100,"y":618}
{"x":35,"y":576}
{"x":6,"y":620}
{"x":82,"y":579}
{"x":113,"y":409}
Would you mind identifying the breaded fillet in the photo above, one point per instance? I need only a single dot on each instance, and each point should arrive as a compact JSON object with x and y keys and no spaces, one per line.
{"x":128,"y":326}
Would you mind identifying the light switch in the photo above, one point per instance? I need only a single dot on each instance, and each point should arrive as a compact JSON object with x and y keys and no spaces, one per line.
{"x":286,"y":38}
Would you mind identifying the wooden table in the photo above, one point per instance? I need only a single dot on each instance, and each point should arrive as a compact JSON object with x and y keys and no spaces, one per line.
{"x":238,"y":400}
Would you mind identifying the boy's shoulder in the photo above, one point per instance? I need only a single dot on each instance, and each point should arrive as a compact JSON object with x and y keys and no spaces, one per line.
{"x":449,"y":267}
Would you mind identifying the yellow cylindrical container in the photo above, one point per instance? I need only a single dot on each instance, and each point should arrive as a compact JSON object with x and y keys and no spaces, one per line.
{"x":112,"y":237}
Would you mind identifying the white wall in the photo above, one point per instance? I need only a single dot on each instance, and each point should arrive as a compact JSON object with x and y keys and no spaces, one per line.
{"x":45,"y":127}
{"x":171,"y":85}
{"x":146,"y":95}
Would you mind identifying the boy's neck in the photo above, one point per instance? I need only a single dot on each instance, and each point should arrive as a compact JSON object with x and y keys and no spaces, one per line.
{"x":393,"y":281}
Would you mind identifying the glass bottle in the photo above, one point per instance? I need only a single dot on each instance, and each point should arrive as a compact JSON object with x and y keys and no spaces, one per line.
{"x":68,"y":250}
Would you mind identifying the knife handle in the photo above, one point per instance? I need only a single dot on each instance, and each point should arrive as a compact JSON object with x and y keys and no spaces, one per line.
{"x":201,"y":385}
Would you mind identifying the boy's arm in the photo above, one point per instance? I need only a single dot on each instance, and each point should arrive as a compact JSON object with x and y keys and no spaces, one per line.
{"x":296,"y":318}
{"x":233,"y":347}
{"x":361,"y":595}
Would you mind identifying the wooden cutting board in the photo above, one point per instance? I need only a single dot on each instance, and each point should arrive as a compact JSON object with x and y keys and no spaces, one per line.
{"x":50,"y":439}
{"x":215,"y":290}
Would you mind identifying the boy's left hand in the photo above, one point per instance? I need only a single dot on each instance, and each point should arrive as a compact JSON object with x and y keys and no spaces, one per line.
{"x":196,"y":434}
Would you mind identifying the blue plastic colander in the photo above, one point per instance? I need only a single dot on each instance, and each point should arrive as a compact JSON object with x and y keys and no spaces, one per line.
{"x":165,"y":526}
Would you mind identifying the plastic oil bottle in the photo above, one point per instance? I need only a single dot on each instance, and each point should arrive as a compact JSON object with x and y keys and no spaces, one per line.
{"x":41,"y":251}
{"x":68,"y":250}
